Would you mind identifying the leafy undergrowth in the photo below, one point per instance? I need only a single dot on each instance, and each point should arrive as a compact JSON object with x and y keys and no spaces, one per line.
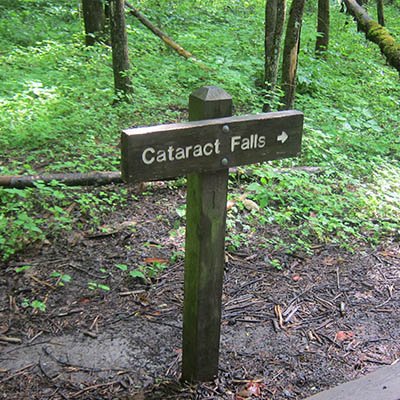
{"x":57,"y":114}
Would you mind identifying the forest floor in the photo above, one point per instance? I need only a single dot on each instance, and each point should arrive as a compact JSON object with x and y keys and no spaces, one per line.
{"x":322,"y":320}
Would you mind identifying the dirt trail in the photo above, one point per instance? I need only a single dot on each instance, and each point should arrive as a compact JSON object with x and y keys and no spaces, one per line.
{"x":321,"y":320}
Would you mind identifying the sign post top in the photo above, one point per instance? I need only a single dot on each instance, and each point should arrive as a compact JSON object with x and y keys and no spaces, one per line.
{"x":211,"y":93}
{"x":209,"y":101}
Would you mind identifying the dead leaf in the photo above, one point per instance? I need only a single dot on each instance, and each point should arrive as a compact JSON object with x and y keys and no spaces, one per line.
{"x":74,"y":238}
{"x":109,"y":230}
{"x":127,"y":224}
{"x":389,"y":253}
{"x":150,"y":260}
{"x":328,"y":261}
{"x":69,"y":209}
{"x":278,"y":314}
{"x":250,"y":205}
{"x":230,"y":204}
{"x":243,"y":197}
{"x":254,"y":388}
{"x":341,"y":336}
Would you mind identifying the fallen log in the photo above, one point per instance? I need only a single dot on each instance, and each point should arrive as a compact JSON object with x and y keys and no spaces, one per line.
{"x":107,"y":177}
{"x":165,"y":38}
{"x":376,"y":33}
{"x":71,"y":179}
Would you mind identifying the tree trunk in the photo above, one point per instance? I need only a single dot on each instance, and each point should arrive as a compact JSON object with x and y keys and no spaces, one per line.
{"x":119,"y":42}
{"x":290,"y":53}
{"x":322,"y":42}
{"x":94,"y":20}
{"x":380,"y":11}
{"x":360,"y":3}
{"x":107,"y":10}
{"x":376,"y":33}
{"x":274,"y":22}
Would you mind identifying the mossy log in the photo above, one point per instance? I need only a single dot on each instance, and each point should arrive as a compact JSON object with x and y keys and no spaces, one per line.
{"x":101,"y":178}
{"x":69,"y":179}
{"x":376,"y":33}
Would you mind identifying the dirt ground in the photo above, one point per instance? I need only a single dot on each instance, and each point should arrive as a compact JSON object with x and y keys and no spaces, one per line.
{"x":321,"y":320}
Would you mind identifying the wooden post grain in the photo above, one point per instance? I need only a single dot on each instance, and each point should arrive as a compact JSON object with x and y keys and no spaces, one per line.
{"x":205,"y":245}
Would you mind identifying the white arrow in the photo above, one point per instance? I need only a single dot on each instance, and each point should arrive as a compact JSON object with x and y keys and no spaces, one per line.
{"x":282,"y":137}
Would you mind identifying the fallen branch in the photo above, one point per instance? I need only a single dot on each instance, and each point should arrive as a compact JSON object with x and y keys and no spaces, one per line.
{"x":72,"y":179}
{"x":107,"y":178}
{"x":9,"y":339}
{"x":376,"y":33}
{"x":165,"y":38}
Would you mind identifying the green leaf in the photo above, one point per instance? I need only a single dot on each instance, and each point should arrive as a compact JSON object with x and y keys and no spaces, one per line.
{"x":22,"y":269}
{"x":38,"y":305}
{"x":103,"y":287}
{"x":66,"y":278}
{"x":181,"y":210}
{"x":122,"y":267}
{"x":137,"y":274}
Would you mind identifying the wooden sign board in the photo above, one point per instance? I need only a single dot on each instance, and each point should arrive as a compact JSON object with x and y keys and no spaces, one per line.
{"x":169,"y":151}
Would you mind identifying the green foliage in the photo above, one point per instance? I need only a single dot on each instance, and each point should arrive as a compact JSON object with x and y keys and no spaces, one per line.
{"x":24,"y":268}
{"x":332,"y":207}
{"x":57,"y":114}
{"x":137,"y":274}
{"x":181,"y":210}
{"x":146,"y":272}
{"x":276,"y":264}
{"x":29,"y":215}
{"x":38,"y":305}
{"x":96,"y":285}
{"x":61,"y":279}
{"x":122,"y":267}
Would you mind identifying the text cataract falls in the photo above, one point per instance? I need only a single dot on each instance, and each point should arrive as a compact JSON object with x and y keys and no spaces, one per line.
{"x":171,"y":153}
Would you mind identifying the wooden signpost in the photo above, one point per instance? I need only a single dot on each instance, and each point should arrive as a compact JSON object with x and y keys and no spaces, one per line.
{"x":204,"y":149}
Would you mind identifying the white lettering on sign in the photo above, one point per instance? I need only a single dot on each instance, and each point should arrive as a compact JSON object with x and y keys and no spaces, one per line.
{"x":151,"y":155}
{"x":237,"y":143}
{"x":247,"y":143}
